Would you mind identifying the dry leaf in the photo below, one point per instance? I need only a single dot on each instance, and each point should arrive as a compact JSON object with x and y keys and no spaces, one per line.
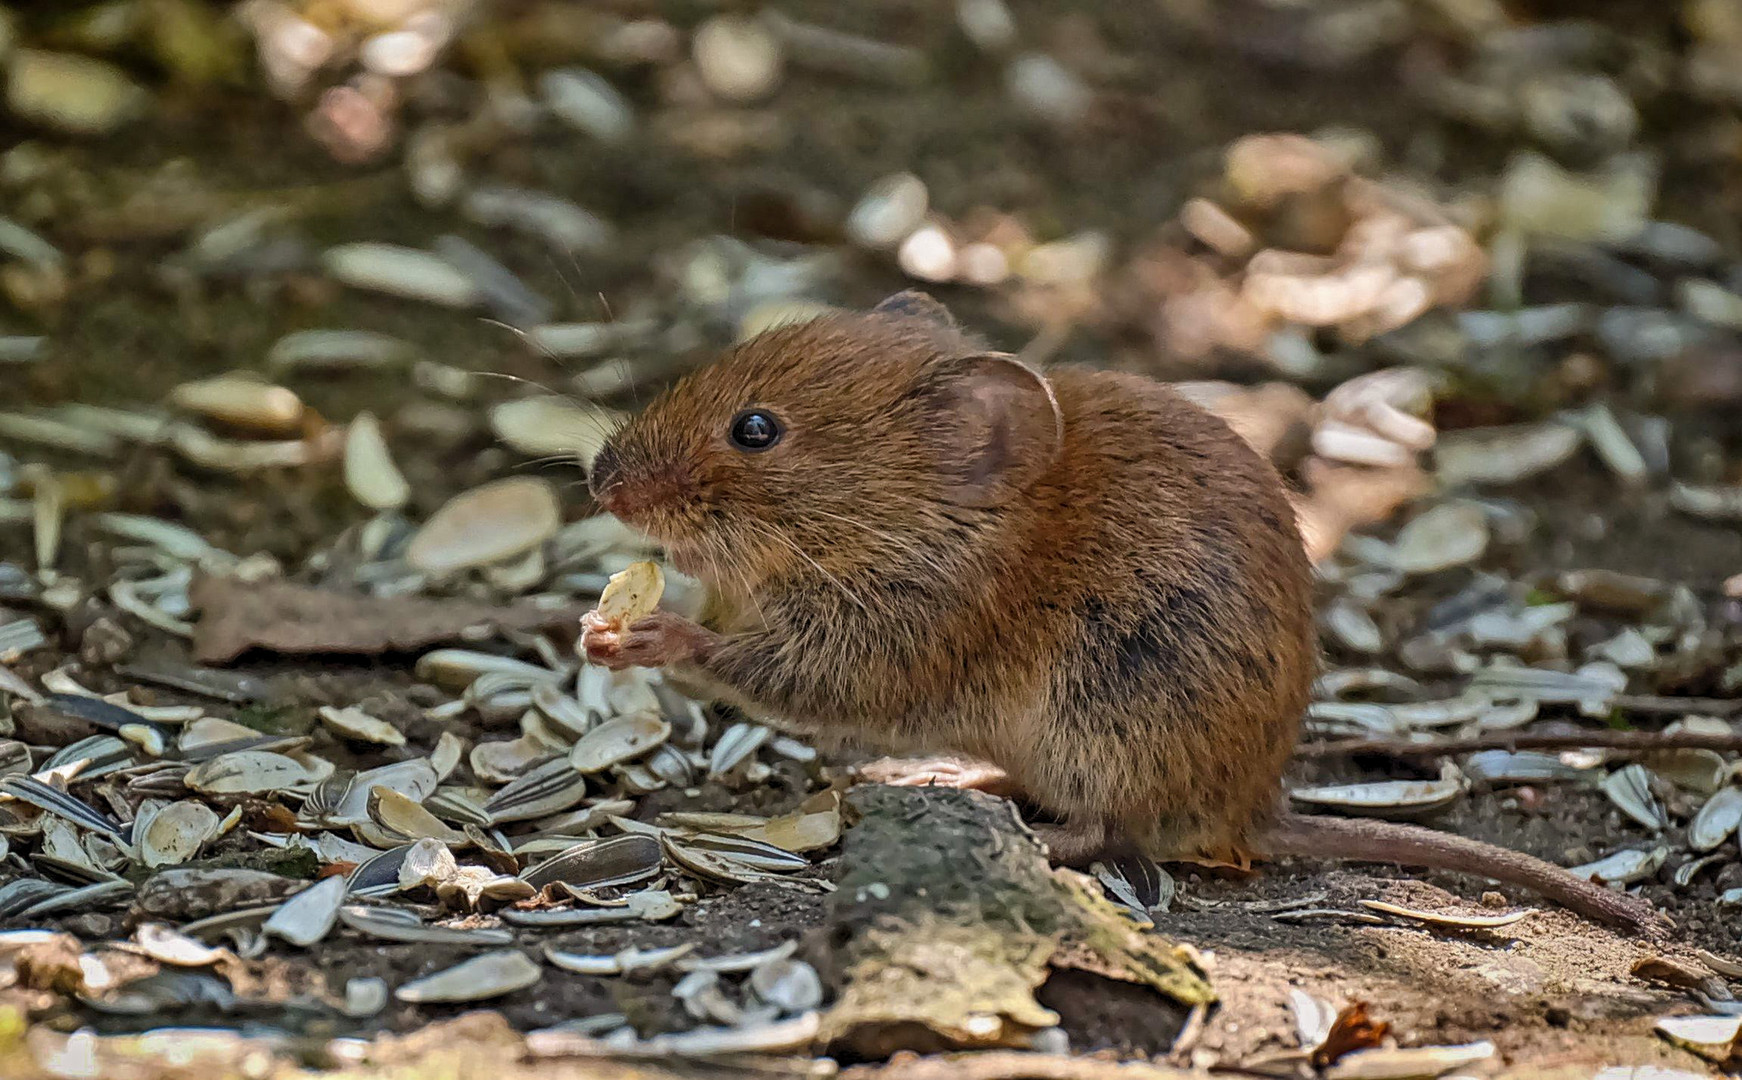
{"x":237,"y":616}
{"x":1352,"y":1030}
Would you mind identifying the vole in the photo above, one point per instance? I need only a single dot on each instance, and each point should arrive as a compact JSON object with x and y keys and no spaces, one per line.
{"x":1078,"y":578}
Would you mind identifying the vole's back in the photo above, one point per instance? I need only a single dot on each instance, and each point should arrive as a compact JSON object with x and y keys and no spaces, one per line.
{"x":1182,"y":591}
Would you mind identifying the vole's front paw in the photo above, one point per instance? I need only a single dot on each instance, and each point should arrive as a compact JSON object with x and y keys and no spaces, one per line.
{"x":953,"y":772}
{"x":659,"y":640}
{"x":601,"y":641}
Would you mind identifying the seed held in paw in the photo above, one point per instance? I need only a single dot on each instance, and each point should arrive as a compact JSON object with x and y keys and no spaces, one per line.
{"x":631,"y":594}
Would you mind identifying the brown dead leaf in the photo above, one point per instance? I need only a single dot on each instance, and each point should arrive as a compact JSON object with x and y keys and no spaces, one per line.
{"x":237,"y":616}
{"x":1352,"y":1030}
{"x":51,"y":965}
{"x":1345,"y":497}
{"x":268,"y":817}
{"x":1675,"y":972}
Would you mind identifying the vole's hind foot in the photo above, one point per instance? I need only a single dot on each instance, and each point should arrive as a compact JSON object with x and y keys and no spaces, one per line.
{"x":1074,"y":843}
{"x":952,"y":772}
{"x":1233,"y":858}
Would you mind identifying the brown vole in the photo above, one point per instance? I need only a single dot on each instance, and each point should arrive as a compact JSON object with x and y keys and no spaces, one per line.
{"x":1080,"y":578}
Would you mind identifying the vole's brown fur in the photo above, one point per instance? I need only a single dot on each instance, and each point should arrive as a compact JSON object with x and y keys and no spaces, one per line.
{"x":1082,"y":579}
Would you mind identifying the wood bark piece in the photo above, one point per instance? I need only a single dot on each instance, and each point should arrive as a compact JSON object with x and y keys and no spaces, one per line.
{"x":296,"y":619}
{"x":947,"y":918}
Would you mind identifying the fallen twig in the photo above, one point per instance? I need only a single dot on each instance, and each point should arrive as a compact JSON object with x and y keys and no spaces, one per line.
{"x":1670,"y":705}
{"x":1517,"y":740}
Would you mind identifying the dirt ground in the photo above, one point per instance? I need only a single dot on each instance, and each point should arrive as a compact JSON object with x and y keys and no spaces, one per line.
{"x":1552,"y":992}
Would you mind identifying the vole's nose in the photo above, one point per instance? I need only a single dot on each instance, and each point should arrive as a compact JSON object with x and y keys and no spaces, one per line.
{"x":606,"y":479}
{"x":628,"y":492}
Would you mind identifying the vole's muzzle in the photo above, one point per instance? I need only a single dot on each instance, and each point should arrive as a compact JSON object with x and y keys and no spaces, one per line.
{"x":628,"y":492}
{"x":606,"y":476}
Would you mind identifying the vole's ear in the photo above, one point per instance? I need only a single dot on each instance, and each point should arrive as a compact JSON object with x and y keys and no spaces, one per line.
{"x":998,"y":427}
{"x":913,"y":304}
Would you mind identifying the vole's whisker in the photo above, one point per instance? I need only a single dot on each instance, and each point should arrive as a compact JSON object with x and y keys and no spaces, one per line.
{"x":927,"y":559}
{"x":726,"y":563}
{"x":542,"y":350}
{"x":551,"y":390}
{"x":796,"y":550}
{"x":622,"y":364}
{"x":506,"y":377}
{"x":551,"y":459}
{"x":749,"y":590}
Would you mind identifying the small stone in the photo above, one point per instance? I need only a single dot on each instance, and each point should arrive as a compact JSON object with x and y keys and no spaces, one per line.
{"x":90,"y":925}
{"x":1262,"y":170}
{"x":554,"y":426}
{"x":1452,"y":534}
{"x":1523,"y":327}
{"x":194,"y":894}
{"x":337,"y":350}
{"x":1678,"y":245}
{"x":1073,"y":262}
{"x":1706,"y":379}
{"x":104,"y":642}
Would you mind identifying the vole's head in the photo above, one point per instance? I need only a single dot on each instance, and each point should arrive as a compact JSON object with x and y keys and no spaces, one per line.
{"x":850,"y":440}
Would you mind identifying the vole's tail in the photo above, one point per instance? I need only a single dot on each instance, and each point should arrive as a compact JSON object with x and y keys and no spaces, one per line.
{"x":1412,"y":845}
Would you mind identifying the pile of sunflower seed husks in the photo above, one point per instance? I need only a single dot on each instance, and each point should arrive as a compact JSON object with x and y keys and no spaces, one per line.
{"x":1431,"y":604}
{"x":184,"y":805}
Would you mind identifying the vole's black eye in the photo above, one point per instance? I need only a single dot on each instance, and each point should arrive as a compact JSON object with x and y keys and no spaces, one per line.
{"x":755,"y":429}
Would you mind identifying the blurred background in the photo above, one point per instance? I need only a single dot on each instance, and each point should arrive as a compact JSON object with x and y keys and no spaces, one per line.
{"x":344,"y":292}
{"x":1350,"y":226}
